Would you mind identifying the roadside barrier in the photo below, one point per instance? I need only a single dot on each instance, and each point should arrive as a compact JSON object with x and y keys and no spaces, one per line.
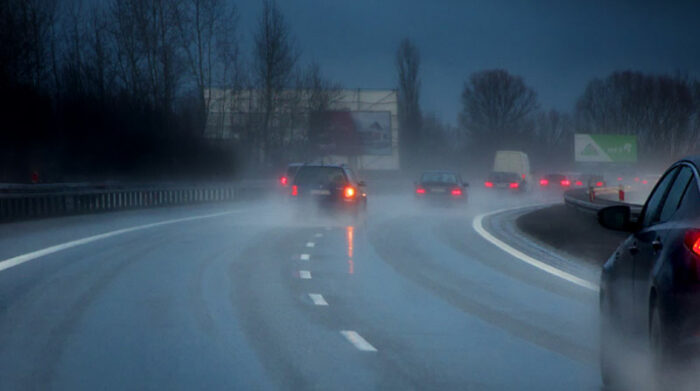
{"x":589,"y":200}
{"x":27,"y":201}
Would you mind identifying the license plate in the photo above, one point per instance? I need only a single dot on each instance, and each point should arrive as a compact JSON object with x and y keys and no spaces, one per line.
{"x":437,"y":190}
{"x":320,"y":192}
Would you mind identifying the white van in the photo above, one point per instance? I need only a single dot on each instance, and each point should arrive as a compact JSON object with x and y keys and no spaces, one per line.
{"x":513,"y":162}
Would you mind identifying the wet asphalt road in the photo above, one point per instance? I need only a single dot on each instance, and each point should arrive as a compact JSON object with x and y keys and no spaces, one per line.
{"x":254,"y":297}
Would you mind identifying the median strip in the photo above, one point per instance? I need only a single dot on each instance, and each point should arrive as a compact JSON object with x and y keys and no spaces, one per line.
{"x":477,"y":224}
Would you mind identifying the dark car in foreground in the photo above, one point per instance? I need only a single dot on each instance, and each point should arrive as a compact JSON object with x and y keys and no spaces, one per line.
{"x":441,"y":187}
{"x":510,"y":181}
{"x":650,"y":286}
{"x":329,"y":187}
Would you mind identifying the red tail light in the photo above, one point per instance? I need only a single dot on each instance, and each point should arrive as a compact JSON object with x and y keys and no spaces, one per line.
{"x":349,"y":192}
{"x":599,"y":184}
{"x":544,"y":182}
{"x":692,"y":241}
{"x":579,"y":183}
{"x":514,"y":185}
{"x":295,"y":191}
{"x":644,"y":182}
{"x":566,"y":183}
{"x":420,"y":190}
{"x":636,"y":179}
{"x":619,"y":178}
{"x":488,"y":184}
{"x":456,"y":192}
{"x":284,"y":181}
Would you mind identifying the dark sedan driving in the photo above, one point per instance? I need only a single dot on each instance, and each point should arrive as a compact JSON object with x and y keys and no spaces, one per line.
{"x":329,"y":187}
{"x":650,"y":286}
{"x":441,"y":187}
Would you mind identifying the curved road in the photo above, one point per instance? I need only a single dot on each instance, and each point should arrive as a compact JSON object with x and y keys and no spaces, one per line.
{"x":249,"y":296}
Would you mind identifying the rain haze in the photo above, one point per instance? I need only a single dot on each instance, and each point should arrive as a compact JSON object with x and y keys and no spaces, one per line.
{"x":294,"y":195}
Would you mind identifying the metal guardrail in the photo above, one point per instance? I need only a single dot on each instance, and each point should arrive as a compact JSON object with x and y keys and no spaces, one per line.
{"x":16,"y":202}
{"x":580,"y":199}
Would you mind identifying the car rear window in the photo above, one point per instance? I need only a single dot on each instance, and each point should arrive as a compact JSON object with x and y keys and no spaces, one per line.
{"x":555,"y":177}
{"x":504,"y":177}
{"x":292,"y":171}
{"x":310,"y":175}
{"x":439,"y":177}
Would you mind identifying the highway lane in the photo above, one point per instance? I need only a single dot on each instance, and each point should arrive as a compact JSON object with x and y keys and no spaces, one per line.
{"x":264,"y":299}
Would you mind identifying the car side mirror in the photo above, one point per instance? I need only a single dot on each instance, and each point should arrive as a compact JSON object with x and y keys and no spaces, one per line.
{"x":617,"y":218}
{"x":361,"y":184}
{"x":465,"y":184}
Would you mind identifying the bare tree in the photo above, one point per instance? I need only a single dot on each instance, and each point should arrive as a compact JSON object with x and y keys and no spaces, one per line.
{"x":410,"y":120}
{"x":146,"y":37}
{"x":208,"y":40}
{"x":496,"y":109}
{"x":274,"y":57}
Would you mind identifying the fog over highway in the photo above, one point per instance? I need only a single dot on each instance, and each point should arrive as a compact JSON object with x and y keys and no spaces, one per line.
{"x":250,"y":296}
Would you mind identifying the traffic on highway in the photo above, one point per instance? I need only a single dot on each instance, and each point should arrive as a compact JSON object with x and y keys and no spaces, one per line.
{"x":349,"y":195}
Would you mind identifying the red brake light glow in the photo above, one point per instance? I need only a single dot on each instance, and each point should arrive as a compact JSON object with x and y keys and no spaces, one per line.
{"x":514,"y":185}
{"x":692,"y":241}
{"x":636,"y":179}
{"x":619,"y":178}
{"x":456,"y":192}
{"x":566,"y":183}
{"x":599,"y":184}
{"x":544,"y":182}
{"x":644,"y":182}
{"x":488,"y":184}
{"x":579,"y":183}
{"x":349,"y":192}
{"x":295,"y":191}
{"x":420,"y":190}
{"x":283,"y":181}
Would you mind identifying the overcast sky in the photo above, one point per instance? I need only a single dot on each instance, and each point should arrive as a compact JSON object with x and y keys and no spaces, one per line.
{"x":556,"y":46}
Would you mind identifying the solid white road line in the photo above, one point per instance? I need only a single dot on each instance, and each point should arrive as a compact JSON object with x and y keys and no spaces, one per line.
{"x":310,"y":244}
{"x":304,"y":274}
{"x":20,"y":259}
{"x":318,"y":299}
{"x":477,"y":224}
{"x":357,"y":340}
{"x":305,"y":257}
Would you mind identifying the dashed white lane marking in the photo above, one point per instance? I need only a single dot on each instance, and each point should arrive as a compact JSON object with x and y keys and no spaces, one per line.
{"x":20,"y":259}
{"x":304,"y":274}
{"x":318,"y":299}
{"x":479,"y":228}
{"x":357,"y":340}
{"x":305,"y":257}
{"x":318,"y":235}
{"x":310,"y":244}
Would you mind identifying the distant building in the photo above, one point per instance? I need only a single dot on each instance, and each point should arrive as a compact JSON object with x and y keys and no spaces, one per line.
{"x":373,"y":115}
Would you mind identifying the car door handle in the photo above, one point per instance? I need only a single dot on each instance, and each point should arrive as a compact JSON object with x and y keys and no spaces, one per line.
{"x":656,"y":245}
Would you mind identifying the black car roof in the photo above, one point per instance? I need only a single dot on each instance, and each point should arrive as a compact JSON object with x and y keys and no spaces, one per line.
{"x":694,"y":160}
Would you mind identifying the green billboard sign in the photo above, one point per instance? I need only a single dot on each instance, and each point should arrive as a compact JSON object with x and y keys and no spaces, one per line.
{"x":605,"y":148}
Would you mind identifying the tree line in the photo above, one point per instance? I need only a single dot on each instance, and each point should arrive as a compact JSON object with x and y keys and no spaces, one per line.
{"x":500,"y":111}
{"x":122,"y":88}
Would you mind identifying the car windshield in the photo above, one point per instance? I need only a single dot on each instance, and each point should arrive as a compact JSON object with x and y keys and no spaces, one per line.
{"x":439,"y":177}
{"x":311,"y":175}
{"x":349,"y":195}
